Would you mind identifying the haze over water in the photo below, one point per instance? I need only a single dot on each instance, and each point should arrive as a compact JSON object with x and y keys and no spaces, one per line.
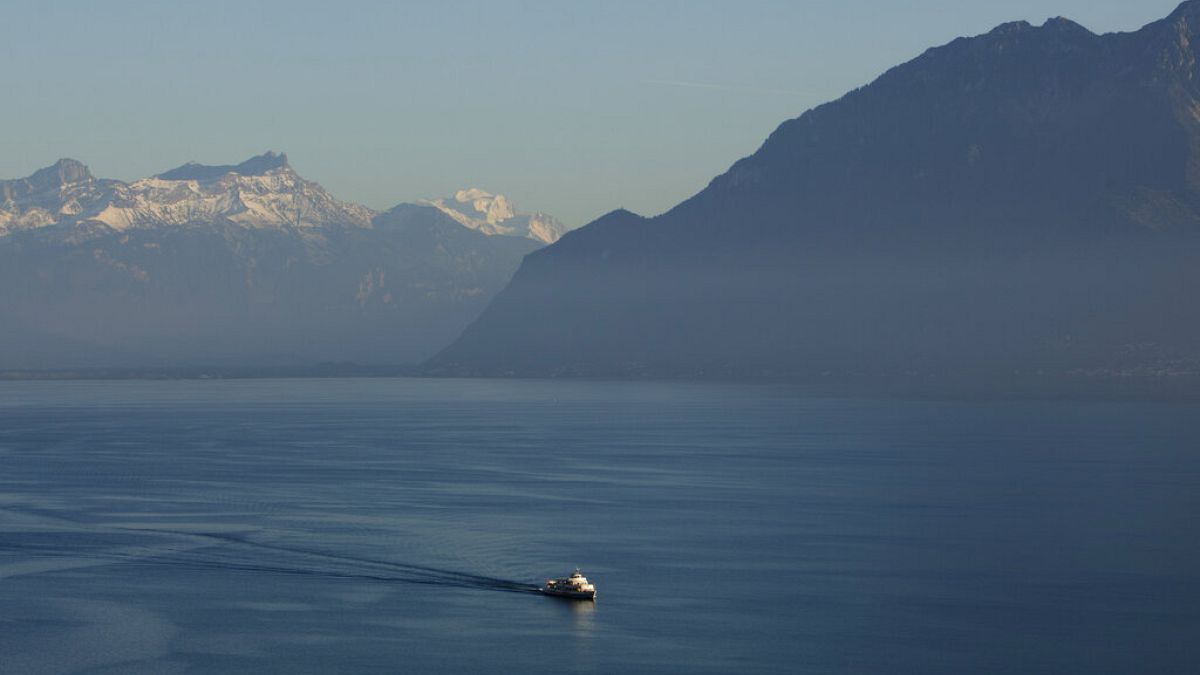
{"x":397,"y":525}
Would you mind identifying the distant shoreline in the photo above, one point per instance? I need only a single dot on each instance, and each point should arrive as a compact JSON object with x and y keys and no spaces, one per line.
{"x":1184,"y":387}
{"x":206,"y":373}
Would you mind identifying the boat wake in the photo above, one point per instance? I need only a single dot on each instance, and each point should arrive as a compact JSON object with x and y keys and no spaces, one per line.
{"x":299,"y":561}
{"x":72,"y":545}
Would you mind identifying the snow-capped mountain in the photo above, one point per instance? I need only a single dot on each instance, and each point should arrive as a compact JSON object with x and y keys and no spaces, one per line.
{"x":246,"y":264}
{"x":260,"y":192}
{"x":263,"y":191}
{"x":495,"y":214}
{"x":51,"y":195}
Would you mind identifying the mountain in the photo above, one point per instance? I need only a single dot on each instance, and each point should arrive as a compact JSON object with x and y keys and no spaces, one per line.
{"x":238,"y":265}
{"x":260,"y":192}
{"x":495,"y":214}
{"x":1025,"y":201}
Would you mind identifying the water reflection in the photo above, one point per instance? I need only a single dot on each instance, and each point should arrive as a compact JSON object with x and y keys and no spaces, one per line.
{"x":582,"y":615}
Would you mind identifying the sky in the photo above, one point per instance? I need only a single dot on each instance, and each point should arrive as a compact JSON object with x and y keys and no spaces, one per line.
{"x":569,"y":108}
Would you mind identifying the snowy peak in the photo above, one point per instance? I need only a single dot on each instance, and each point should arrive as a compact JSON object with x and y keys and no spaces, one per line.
{"x":51,"y":179}
{"x":261,"y":192}
{"x":61,"y":190}
{"x":494,"y":208}
{"x":494,"y":214}
{"x":62,"y":172}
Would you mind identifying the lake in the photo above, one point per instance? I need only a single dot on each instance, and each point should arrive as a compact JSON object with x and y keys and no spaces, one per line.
{"x":400,"y":525}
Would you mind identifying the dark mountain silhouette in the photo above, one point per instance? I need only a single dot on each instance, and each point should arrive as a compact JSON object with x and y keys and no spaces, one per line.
{"x":255,"y":166}
{"x":1021,"y":201}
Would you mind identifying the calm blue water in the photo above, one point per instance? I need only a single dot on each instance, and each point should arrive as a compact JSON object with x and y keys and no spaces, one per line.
{"x":313,"y":526}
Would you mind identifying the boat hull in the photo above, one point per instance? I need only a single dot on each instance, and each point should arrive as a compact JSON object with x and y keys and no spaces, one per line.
{"x":570,"y":595}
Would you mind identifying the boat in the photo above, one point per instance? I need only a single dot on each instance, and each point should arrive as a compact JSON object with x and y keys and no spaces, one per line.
{"x":575,"y":587}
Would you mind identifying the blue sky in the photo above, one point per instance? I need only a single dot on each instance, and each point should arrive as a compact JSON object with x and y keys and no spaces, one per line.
{"x":569,"y":108}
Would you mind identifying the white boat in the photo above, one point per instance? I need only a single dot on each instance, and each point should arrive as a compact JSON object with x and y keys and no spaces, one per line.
{"x":575,"y":587}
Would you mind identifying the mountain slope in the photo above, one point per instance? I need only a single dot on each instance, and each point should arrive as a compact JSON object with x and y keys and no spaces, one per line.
{"x":240,"y":265}
{"x":1024,"y":200}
